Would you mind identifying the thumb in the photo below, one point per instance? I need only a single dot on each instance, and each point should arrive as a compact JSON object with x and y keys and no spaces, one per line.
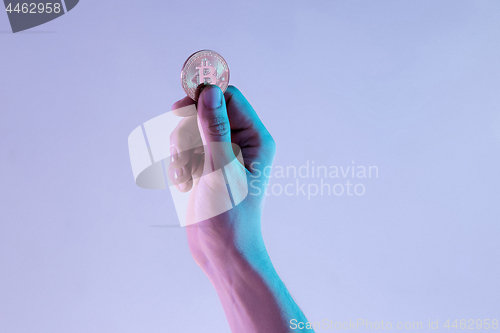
{"x":214,"y":127}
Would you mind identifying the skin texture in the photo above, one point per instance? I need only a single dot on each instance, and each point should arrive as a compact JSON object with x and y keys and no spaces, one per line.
{"x":229,"y":247}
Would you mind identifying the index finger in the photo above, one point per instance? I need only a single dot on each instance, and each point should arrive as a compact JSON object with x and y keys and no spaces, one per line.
{"x":240,"y":112}
{"x":184,"y":107}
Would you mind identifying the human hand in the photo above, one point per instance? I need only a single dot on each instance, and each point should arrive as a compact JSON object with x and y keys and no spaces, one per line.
{"x":229,"y":246}
{"x":225,"y":127}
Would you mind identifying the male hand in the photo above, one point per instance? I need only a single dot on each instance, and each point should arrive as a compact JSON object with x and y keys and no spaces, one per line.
{"x":226,"y":127}
{"x":229,"y":246}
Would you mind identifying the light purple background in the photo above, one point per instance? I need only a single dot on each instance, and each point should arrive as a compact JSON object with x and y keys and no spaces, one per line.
{"x":409,"y":86}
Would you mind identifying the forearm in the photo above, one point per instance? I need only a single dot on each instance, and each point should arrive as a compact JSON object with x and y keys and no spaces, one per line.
{"x":253,"y":296}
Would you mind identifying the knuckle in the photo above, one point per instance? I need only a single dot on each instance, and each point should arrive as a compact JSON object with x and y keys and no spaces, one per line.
{"x":269,"y":143}
{"x":232,"y":89}
{"x":174,"y":137}
{"x":272,"y":143}
{"x":218,"y":126}
{"x":233,"y":92}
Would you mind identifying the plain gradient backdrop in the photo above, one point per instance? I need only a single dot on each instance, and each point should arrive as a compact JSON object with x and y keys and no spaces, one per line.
{"x":411,"y":87}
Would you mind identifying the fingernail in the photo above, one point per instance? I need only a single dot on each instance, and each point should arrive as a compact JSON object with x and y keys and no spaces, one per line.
{"x":182,"y":186}
{"x":212,"y":97}
{"x":178,"y":173}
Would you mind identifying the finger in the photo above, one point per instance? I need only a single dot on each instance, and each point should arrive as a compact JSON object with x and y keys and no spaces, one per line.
{"x":186,"y":135}
{"x":240,"y":112}
{"x":196,"y":163}
{"x":184,"y":187}
{"x":180,"y":175}
{"x":247,"y":129}
{"x":214,"y":127}
{"x":181,"y":107}
{"x":184,"y":140}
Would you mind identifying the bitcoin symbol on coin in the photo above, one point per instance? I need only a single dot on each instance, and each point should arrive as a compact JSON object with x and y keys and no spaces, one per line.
{"x":204,"y":67}
{"x":206,"y":72}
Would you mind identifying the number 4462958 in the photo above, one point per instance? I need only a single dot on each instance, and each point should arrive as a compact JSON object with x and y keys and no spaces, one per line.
{"x":472,"y":324}
{"x":33,"y":8}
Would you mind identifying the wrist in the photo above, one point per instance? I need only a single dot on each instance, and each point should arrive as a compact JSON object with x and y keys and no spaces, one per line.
{"x":253,"y":296}
{"x":251,"y":293}
{"x":237,"y":262}
{"x":237,"y":246}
